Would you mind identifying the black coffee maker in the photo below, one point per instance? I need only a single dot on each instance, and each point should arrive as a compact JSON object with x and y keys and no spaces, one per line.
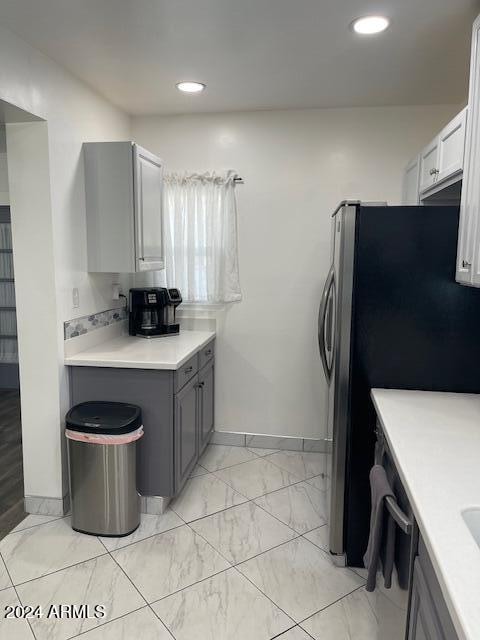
{"x":152,"y":312}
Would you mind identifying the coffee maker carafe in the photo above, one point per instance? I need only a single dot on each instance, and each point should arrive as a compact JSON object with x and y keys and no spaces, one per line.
{"x":152,"y":312}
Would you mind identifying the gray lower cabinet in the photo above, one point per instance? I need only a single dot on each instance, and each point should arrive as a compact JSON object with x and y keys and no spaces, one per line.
{"x":429,"y":617}
{"x":206,"y":400}
{"x":424,"y":624}
{"x":178,"y":413}
{"x":186,"y":427}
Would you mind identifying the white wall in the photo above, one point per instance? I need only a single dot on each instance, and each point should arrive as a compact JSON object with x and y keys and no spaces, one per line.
{"x":297,"y":166}
{"x":73,"y":114}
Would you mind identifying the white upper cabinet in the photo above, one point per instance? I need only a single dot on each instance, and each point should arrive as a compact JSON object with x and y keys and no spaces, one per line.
{"x":451,"y":147}
{"x":440,"y":163}
{"x":411,"y":182}
{"x":442,"y":160}
{"x":429,"y":165}
{"x":148,"y":181}
{"x":123,"y":192}
{"x":468,"y":255}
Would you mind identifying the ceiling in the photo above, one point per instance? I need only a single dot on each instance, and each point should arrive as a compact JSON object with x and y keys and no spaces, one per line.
{"x":253,"y":54}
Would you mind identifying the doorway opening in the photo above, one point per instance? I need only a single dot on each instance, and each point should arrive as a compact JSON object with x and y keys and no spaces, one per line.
{"x":11,"y":462}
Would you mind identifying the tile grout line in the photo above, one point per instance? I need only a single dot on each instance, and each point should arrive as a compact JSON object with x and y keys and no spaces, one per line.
{"x":214,"y":473}
{"x":298,"y":534}
{"x":232,"y":566}
{"x":51,"y":573}
{"x":346,"y":595}
{"x":104,"y":624}
{"x":136,"y":589}
{"x":297,"y":626}
{"x":283,"y":469}
{"x":247,"y":500}
{"x":235,"y":566}
{"x":327,"y":553}
{"x":18,"y":596}
{"x":159,"y":533}
{"x":266,"y":596}
{"x":32,"y":526}
{"x":277,"y":518}
{"x":264,"y":494}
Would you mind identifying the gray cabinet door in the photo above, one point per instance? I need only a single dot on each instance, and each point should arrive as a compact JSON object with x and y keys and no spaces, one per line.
{"x":424,"y":622}
{"x":206,"y":399}
{"x":186,"y":446}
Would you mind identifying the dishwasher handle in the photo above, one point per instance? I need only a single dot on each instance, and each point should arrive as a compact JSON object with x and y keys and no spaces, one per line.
{"x":402,"y":520}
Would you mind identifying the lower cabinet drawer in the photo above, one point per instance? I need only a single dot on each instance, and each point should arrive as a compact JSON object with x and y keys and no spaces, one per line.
{"x":206,"y":354}
{"x":186,"y":372}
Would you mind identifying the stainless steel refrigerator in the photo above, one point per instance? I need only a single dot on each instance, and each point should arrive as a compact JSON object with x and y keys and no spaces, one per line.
{"x":391,"y":315}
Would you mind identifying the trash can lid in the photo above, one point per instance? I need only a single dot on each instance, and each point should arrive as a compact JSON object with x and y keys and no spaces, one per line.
{"x":112,"y":418}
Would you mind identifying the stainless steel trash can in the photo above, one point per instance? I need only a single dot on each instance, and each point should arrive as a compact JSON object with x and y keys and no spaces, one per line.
{"x":102,"y":438}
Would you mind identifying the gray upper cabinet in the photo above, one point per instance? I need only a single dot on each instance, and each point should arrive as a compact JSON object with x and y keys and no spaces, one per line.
{"x":123,"y":193}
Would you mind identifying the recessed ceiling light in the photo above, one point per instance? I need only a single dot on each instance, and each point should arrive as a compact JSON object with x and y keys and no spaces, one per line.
{"x":369,"y":25}
{"x":191,"y":87}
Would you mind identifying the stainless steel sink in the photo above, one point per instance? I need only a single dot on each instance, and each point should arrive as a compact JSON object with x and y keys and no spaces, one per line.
{"x":472,"y":520}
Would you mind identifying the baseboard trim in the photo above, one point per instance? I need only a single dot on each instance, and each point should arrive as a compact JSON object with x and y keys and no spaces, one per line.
{"x":43,"y":506}
{"x":154,"y":505}
{"x":263,"y":441}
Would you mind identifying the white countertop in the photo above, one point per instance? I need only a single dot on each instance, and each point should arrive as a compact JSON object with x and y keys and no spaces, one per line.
{"x":169,"y":352}
{"x":435,"y":441}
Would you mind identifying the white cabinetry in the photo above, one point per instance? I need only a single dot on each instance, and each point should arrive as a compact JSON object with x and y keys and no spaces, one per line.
{"x":442,"y":160}
{"x":429,"y":165}
{"x":411,"y":182}
{"x":440,"y":163}
{"x":468,"y":255}
{"x":451,"y":147}
{"x":123,"y":191}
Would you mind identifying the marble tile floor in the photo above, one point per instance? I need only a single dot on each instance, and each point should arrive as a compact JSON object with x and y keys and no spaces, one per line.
{"x":241,"y":553}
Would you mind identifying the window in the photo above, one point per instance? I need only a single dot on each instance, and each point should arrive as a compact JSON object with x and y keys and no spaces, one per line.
{"x":201,"y":253}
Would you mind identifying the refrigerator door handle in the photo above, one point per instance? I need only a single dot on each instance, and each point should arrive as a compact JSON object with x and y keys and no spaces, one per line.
{"x":329,"y":321}
{"x":322,"y":313}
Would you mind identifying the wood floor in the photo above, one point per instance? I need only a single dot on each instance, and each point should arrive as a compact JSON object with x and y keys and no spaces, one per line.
{"x":11,"y":466}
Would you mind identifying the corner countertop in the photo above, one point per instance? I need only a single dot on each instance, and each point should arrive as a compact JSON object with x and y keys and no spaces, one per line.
{"x":434,"y":439}
{"x":128,"y":352}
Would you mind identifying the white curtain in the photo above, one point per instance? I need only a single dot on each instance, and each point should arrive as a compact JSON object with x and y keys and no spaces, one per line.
{"x":200,"y":218}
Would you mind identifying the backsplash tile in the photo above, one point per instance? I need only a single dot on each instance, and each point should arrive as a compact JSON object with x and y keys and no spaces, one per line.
{"x":80,"y":326}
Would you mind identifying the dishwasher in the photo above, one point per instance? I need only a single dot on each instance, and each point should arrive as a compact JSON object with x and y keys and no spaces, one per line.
{"x":392,"y":605}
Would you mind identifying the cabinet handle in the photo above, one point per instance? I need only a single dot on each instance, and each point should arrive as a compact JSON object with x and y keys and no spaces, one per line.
{"x":433,"y":172}
{"x":188,"y":370}
{"x":208,"y":352}
{"x":466,"y":264}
